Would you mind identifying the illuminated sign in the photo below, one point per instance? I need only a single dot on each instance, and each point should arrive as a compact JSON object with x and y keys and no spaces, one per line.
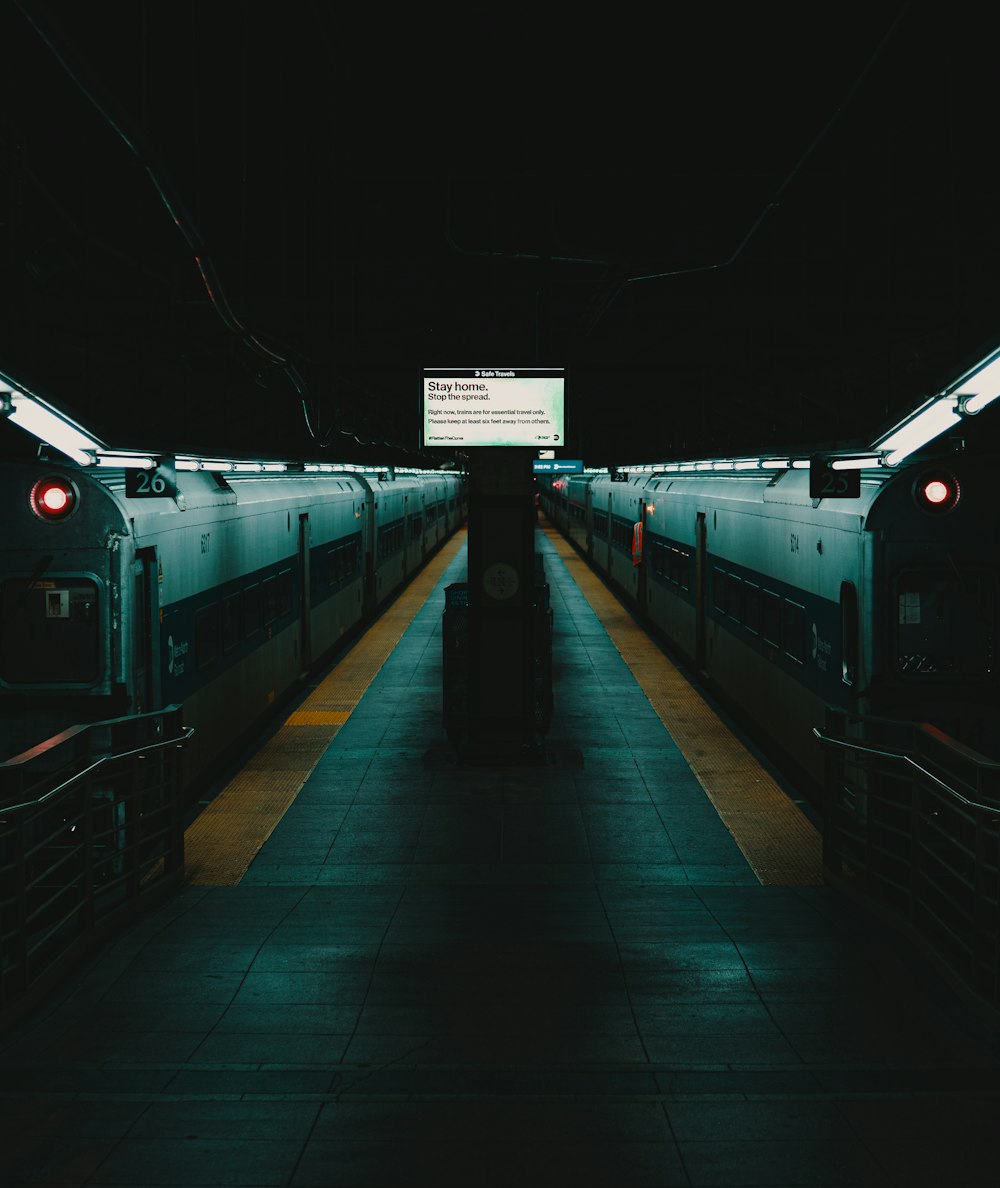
{"x":560,"y":466}
{"x":489,"y":406}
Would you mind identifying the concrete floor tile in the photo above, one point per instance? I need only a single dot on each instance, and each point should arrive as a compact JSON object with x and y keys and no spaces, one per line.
{"x":241,"y":1162}
{"x":757,"y":1163}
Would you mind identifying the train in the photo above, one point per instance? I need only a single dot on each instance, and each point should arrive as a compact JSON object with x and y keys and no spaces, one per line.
{"x":126,"y":590}
{"x":880,"y":604}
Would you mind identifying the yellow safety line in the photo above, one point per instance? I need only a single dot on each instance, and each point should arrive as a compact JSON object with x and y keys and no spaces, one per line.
{"x":317,"y":718}
{"x":222,"y":841}
{"x":776,"y":838}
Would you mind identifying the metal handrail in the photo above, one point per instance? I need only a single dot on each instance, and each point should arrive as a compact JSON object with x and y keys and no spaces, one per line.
{"x":908,"y":759}
{"x":117,"y":756}
{"x":899,"y":833}
{"x":94,"y":838}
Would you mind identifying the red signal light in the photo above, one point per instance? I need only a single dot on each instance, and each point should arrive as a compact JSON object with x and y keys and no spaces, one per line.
{"x":937,"y":491}
{"x":53,"y":498}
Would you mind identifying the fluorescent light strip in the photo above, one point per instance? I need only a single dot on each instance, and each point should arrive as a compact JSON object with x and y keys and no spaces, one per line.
{"x":980,"y":388}
{"x":930,"y":422}
{"x":51,"y":427}
{"x":857,"y":463}
{"x":126,"y":461}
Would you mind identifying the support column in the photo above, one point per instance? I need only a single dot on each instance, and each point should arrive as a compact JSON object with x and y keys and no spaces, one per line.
{"x":508,"y":686}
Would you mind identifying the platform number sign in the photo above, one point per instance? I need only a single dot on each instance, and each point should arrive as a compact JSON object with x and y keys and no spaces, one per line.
{"x":827,"y":483}
{"x":157,"y":483}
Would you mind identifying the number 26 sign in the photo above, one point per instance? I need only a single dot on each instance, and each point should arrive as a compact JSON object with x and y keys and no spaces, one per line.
{"x":157,"y":483}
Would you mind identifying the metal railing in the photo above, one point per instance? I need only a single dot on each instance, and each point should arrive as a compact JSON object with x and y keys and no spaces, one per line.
{"x":911,"y":819}
{"x":91,"y":833}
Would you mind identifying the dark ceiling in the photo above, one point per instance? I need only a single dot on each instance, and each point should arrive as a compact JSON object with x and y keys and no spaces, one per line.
{"x":241,"y":229}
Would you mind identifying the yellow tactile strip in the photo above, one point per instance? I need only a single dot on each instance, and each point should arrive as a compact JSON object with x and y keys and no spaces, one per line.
{"x":317,"y":718}
{"x":778,"y":841}
{"x":221,"y":842}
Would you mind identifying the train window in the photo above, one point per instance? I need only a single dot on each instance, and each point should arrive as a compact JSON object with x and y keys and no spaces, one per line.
{"x":793,"y":631}
{"x":719,"y":590}
{"x":734,"y":597}
{"x":333,"y":566}
{"x":945,"y":623}
{"x":269,"y":599}
{"x":390,"y":539}
{"x":50,"y":631}
{"x":751,"y":607}
{"x":206,"y":636}
{"x":849,"y":640}
{"x":601,"y":524}
{"x":770,"y":618}
{"x":284,"y":591}
{"x":251,"y":610}
{"x":231,"y":625}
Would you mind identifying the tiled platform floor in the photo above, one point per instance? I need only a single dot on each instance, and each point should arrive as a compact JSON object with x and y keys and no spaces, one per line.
{"x":444,"y":975}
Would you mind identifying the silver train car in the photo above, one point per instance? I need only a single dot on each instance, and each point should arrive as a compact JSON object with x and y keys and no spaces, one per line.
{"x":217,"y":591}
{"x":882,"y":605}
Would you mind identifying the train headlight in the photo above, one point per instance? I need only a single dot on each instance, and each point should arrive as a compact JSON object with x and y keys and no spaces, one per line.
{"x":53,"y":498}
{"x":937,"y":491}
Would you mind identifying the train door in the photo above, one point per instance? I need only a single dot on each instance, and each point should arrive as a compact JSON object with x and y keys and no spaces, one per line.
{"x":145,"y":630}
{"x":305,"y":634}
{"x":699,"y":589}
{"x":368,"y":543}
{"x":608,"y":557}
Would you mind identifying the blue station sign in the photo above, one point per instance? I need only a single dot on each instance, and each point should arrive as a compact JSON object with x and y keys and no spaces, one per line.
{"x":557,"y":466}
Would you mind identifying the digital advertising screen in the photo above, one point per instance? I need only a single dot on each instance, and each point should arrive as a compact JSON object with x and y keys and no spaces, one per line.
{"x":493,"y":406}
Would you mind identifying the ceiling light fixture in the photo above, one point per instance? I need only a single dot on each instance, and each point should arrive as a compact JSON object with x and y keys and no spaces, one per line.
{"x":41,"y":421}
{"x":930,"y":421}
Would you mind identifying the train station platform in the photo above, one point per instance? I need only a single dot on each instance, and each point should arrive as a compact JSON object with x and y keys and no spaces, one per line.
{"x":619,"y":967}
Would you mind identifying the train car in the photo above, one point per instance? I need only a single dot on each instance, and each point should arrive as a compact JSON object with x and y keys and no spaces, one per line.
{"x":882,"y":605}
{"x":219,"y":594}
{"x":432,"y":520}
{"x":394,"y":514}
{"x":575,"y":512}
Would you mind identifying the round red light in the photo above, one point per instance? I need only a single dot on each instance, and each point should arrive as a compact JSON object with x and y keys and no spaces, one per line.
{"x":53,"y":498}
{"x":936,"y":492}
